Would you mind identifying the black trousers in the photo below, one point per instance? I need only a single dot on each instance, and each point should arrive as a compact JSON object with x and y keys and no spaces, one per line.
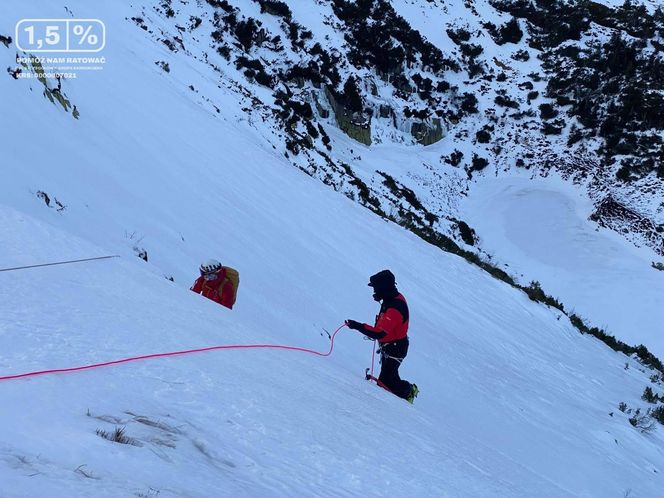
{"x":391,"y":356}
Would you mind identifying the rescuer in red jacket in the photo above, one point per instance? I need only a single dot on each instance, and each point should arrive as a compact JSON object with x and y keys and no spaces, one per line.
{"x":215,"y":284}
{"x":391,"y":332}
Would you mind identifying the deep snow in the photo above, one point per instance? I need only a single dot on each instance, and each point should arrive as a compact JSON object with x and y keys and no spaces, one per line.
{"x":514,"y":401}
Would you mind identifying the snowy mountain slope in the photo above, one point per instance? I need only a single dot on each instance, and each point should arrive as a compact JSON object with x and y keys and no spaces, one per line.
{"x":514,"y":401}
{"x":527,"y":121}
{"x":507,"y":412}
{"x":207,"y":53}
{"x":509,"y":82}
{"x":513,"y":110}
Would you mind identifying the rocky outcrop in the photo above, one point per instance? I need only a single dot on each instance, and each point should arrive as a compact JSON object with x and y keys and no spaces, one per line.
{"x":323,"y":112}
{"x":610,"y":213}
{"x":354,"y":124}
{"x":427,"y":132}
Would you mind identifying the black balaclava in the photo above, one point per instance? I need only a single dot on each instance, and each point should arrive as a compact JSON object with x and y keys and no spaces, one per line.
{"x":384,"y":285}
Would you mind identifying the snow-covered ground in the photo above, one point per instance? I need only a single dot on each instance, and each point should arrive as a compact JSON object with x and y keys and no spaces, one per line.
{"x":539,"y":228}
{"x":514,"y":401}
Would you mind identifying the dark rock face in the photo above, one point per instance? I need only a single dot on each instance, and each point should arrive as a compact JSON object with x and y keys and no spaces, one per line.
{"x":611,"y":214}
{"x":427,"y":133}
{"x":354,"y":124}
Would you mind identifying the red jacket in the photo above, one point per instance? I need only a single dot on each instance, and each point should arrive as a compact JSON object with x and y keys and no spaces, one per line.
{"x":216,"y":287}
{"x":392,"y":319}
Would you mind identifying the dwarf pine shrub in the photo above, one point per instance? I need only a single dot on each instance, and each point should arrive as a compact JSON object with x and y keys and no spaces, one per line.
{"x":643,"y":422}
{"x":658,"y":414}
{"x":535,"y":293}
{"x":649,"y":396}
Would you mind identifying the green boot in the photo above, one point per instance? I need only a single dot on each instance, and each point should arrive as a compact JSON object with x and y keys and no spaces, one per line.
{"x":414,"y":391}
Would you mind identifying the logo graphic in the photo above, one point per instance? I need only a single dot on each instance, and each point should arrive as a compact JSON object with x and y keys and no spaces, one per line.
{"x":60,"y":35}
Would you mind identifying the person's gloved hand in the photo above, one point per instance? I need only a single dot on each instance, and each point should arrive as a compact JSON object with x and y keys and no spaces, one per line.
{"x":352,"y":324}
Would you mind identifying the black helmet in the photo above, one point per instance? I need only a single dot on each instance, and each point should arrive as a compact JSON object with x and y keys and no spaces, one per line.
{"x":384,"y":285}
{"x":382,"y":280}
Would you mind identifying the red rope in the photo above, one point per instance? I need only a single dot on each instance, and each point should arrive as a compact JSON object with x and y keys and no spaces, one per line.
{"x":174,"y":353}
